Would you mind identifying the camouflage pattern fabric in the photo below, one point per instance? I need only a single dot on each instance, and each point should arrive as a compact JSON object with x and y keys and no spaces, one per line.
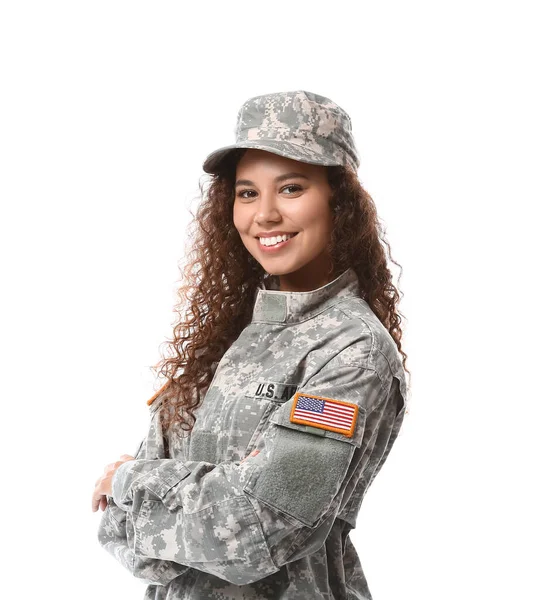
{"x":300,"y":125}
{"x":255,"y":504}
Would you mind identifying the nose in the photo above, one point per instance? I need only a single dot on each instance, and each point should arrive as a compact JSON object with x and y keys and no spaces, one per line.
{"x":266,"y":208}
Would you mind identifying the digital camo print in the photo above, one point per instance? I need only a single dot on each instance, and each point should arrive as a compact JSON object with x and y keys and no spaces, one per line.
{"x":299,"y":125}
{"x":251,"y":505}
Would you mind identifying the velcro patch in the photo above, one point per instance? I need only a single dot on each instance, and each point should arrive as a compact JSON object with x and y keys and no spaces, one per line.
{"x":324,"y":413}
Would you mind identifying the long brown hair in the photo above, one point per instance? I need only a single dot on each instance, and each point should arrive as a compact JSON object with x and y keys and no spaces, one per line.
{"x":220,"y":277}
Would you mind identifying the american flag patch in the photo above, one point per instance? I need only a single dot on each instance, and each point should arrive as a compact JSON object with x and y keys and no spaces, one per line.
{"x":325,"y":413}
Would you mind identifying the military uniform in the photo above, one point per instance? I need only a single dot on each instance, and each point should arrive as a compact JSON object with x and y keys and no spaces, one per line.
{"x":258,"y":501}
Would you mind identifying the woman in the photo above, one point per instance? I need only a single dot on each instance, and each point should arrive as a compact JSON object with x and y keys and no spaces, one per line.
{"x":286,"y":389}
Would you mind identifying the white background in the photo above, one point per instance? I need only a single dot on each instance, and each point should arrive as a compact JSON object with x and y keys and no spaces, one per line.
{"x":108,"y":110}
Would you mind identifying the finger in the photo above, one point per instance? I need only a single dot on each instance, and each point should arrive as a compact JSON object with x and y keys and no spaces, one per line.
{"x":253,"y":453}
{"x":99,"y":492}
{"x":103,"y":503}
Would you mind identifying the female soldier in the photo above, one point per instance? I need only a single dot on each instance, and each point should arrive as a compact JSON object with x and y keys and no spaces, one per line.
{"x":288,"y":369}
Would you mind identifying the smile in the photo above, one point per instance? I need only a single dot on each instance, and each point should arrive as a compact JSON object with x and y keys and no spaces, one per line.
{"x":277,"y":246}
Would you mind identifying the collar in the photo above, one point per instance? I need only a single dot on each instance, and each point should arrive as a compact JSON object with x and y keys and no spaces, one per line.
{"x":274,"y":306}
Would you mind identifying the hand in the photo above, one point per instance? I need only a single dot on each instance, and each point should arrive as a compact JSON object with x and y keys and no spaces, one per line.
{"x":103,"y":484}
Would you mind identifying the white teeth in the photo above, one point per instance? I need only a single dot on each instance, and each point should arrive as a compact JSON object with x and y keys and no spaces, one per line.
{"x":274,"y":240}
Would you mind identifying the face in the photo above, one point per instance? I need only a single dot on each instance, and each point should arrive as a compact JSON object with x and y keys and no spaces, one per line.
{"x":276,"y":194}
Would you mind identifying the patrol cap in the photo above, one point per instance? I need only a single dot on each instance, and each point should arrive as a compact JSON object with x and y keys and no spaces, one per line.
{"x":299,"y":125}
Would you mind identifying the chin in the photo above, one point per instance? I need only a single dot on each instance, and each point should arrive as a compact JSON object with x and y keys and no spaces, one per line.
{"x":280,"y":270}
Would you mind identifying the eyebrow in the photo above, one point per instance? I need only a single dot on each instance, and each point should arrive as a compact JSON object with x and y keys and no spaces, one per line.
{"x":278,"y":179}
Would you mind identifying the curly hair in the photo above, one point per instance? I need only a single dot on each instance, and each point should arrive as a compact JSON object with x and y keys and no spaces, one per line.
{"x":215,"y":301}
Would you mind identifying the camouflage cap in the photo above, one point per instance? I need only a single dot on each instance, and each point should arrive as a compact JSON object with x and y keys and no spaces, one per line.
{"x":299,"y":125}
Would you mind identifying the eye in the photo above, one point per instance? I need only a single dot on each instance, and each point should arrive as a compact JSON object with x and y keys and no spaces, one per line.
{"x":241,"y":194}
{"x":293,"y":185}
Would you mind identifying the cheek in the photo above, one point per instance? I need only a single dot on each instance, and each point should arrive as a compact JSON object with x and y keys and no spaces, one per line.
{"x":318,"y":221}
{"x":238,"y":220}
{"x":242,"y":225}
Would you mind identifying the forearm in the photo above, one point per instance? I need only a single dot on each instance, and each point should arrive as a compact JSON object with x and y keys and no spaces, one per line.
{"x":117,"y":535}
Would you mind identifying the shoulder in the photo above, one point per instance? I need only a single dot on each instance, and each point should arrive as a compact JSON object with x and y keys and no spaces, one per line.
{"x":367,"y":343}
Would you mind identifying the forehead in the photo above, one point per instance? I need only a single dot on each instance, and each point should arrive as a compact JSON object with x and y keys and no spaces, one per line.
{"x":263,"y":162}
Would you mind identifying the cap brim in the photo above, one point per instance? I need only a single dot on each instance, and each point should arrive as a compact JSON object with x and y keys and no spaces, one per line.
{"x":286,"y":149}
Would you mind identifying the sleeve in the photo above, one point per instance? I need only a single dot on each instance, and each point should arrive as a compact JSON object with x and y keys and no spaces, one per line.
{"x":117,"y":535}
{"x":244,"y":521}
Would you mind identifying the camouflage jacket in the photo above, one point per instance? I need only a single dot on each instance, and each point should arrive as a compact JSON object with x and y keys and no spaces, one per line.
{"x":258,"y":501}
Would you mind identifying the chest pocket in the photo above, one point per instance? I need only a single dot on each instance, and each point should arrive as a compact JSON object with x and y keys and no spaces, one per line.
{"x":229,"y":421}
